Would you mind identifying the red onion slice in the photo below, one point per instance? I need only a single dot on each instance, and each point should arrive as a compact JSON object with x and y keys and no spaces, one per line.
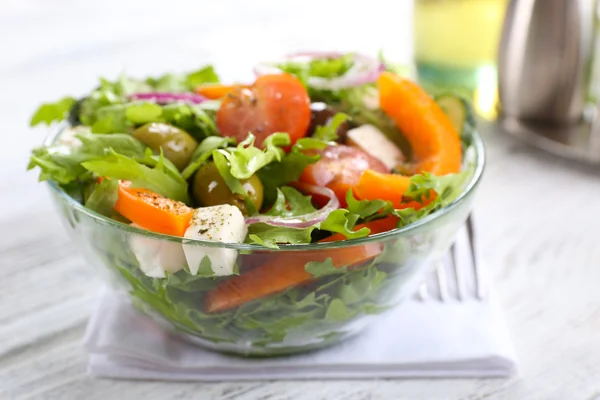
{"x":364,"y":70}
{"x":165,"y":98}
{"x":303,"y":221}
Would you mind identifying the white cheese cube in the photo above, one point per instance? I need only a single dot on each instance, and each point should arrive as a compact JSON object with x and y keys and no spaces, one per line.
{"x":374,"y":142}
{"x":224,"y":223}
{"x":155,"y":256}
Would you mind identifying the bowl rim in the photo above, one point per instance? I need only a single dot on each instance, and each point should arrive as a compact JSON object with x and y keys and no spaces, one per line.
{"x":480,"y":160}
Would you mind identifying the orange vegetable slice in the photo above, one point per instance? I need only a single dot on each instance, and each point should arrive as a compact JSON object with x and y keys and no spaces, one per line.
{"x":217,"y":91}
{"x":433,"y":139}
{"x":375,"y":185}
{"x":153,"y":211}
{"x":284,"y":271}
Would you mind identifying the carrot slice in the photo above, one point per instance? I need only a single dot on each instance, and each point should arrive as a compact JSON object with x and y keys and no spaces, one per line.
{"x":432,"y":136}
{"x":153,"y":211}
{"x":285,"y":271}
{"x":217,"y":91}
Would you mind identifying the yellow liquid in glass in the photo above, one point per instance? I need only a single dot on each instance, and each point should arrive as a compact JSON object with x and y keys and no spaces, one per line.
{"x":456,"y":43}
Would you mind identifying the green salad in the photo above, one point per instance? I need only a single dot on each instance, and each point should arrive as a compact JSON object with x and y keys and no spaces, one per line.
{"x":239,"y":177}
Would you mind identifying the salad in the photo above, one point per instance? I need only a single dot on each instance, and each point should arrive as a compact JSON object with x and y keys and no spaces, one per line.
{"x":320,"y":148}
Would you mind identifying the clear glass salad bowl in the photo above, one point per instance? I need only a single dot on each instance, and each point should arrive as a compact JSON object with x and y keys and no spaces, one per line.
{"x":330,"y":305}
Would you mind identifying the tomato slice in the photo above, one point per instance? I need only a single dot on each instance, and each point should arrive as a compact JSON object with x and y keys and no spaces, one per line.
{"x":275,"y":103}
{"x":340,"y":169}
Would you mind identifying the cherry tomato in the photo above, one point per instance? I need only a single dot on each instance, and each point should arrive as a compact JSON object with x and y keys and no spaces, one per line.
{"x":340,"y":168}
{"x":275,"y":103}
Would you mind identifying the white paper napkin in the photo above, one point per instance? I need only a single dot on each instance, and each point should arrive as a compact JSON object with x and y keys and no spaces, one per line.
{"x":418,"y":339}
{"x":430,"y":338}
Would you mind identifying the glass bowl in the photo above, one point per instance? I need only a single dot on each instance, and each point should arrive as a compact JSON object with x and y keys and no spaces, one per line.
{"x":330,"y":304}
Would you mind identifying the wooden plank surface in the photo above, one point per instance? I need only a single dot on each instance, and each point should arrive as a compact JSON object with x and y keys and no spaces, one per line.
{"x":538,"y":218}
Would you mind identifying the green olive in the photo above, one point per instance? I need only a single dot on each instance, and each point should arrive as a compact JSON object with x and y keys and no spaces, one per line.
{"x":177,"y":145}
{"x":210,"y":189}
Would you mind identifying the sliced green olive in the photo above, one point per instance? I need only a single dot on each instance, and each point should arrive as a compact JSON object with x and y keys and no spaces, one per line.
{"x":210,"y":189}
{"x":176,"y":144}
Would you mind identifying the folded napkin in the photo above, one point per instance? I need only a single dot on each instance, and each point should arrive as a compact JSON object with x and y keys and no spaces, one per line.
{"x":418,"y":338}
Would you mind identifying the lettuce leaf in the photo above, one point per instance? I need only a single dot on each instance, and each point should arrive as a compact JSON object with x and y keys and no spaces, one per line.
{"x":192,"y":118}
{"x":291,"y":203}
{"x":271,"y":236}
{"x":103,"y":197}
{"x":324,"y":67}
{"x":367,"y":209}
{"x":323,"y":268}
{"x":109,"y":93}
{"x":328,"y":133}
{"x":48,"y":113}
{"x":184,"y":82}
{"x":203,"y":153}
{"x":246,"y":159}
{"x":281,"y":173}
{"x":448,"y":188}
{"x":160,"y":178}
{"x":342,"y":221}
{"x":63,"y":164}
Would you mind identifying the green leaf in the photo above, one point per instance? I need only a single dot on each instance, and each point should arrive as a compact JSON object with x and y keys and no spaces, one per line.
{"x":337,"y":311}
{"x":255,"y":239}
{"x":176,"y":83}
{"x":323,"y":268}
{"x":158,"y":179}
{"x":122,"y":143}
{"x":246,"y":159}
{"x":103,"y":197}
{"x":367,"y":208}
{"x":205,"y":268}
{"x":328,"y":133}
{"x":63,"y":164}
{"x":203,"y":153}
{"x":270,"y":236}
{"x":233,"y":183}
{"x":48,"y":113}
{"x":324,"y":67}
{"x":340,"y":221}
{"x":206,"y":74}
{"x":448,"y":187}
{"x":109,"y":94}
{"x":360,"y":285}
{"x":111,"y":119}
{"x":278,"y":174}
{"x":142,"y":113}
{"x":55,"y":165}
{"x":291,"y":203}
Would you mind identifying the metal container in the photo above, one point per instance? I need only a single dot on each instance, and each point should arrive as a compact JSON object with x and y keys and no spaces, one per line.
{"x":544,"y":59}
{"x":544,"y":68}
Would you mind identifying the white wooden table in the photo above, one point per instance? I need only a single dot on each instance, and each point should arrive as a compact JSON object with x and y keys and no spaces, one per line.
{"x":538,"y":217}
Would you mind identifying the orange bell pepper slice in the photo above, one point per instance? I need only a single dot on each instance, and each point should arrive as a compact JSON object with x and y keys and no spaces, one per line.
{"x":375,"y":185}
{"x":214,"y":92}
{"x":284,"y":271}
{"x":153,"y":211}
{"x":432,"y":137}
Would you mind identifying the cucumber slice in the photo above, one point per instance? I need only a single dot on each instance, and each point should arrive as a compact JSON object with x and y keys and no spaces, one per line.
{"x":456,"y":108}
